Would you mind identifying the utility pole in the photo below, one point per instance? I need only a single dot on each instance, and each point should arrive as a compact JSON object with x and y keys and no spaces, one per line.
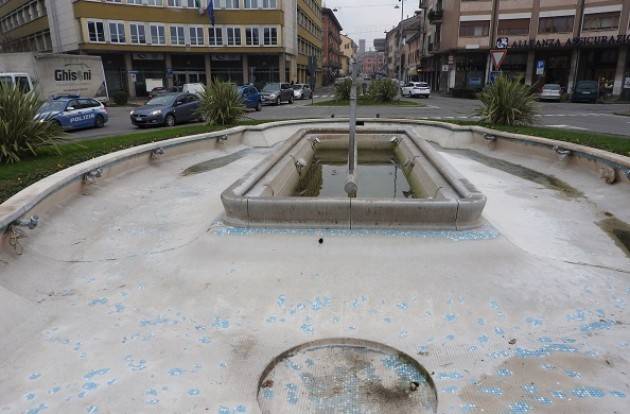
{"x":400,"y":38}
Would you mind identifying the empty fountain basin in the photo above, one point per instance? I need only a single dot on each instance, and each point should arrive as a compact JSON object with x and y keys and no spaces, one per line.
{"x":403,"y":183}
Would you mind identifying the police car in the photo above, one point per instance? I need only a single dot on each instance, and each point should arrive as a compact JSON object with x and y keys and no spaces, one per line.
{"x":73,"y":112}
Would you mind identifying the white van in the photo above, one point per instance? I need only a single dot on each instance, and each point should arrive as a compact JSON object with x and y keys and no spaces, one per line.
{"x":21,"y":80}
{"x":194,"y":88}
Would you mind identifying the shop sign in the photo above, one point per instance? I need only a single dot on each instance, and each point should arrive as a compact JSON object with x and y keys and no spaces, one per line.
{"x":606,"y":41}
{"x":225,"y":58}
{"x":626,"y":82}
{"x":445,"y":68}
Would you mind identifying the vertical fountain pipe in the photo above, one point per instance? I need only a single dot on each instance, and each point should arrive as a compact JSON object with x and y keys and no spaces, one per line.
{"x":351,"y":187}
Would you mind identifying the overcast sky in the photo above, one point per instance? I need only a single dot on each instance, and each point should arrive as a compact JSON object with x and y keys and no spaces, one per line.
{"x":369,"y":19}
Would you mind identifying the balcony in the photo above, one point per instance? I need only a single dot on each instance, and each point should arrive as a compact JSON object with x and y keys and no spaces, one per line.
{"x":436,"y":15}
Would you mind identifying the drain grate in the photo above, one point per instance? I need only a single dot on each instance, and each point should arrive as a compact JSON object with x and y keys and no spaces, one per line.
{"x":346,"y":376}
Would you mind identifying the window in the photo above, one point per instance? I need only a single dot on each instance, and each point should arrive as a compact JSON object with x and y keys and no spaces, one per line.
{"x":23,"y":84}
{"x":251,"y":36}
{"x":134,"y":1}
{"x":601,"y":21}
{"x":137,"y":33}
{"x":250,"y":4}
{"x":177,"y":35}
{"x":216,"y":36}
{"x":513,"y":27}
{"x":96,"y":31}
{"x":232,"y":4}
{"x":269,"y":4}
{"x":182,"y":3}
{"x":157,"y":35}
{"x":234,"y":36}
{"x":270,"y":36}
{"x":117,"y":32}
{"x":474,"y":29}
{"x":196,"y":36}
{"x":154,"y":2}
{"x":558,"y":24}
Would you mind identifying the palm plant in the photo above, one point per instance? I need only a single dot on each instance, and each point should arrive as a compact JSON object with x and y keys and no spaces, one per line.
{"x":20,"y":132}
{"x":508,"y":102}
{"x":221,"y":103}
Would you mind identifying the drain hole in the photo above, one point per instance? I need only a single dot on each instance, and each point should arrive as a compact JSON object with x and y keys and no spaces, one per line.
{"x":321,"y":241}
{"x":346,"y":375}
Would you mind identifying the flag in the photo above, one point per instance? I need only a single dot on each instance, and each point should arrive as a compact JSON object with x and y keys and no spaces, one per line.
{"x":211,"y":12}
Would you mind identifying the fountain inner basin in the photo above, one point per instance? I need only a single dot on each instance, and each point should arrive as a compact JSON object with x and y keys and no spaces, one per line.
{"x":402,"y":182}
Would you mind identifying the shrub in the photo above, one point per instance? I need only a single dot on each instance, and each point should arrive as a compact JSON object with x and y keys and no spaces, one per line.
{"x":221,"y":103}
{"x":383,"y":90}
{"x":120,"y":97}
{"x":342,"y":90}
{"x":507,"y":102}
{"x":20,"y":132}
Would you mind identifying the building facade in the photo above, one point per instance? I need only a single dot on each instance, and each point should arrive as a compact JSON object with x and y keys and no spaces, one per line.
{"x":401,"y":42}
{"x":348,"y":53}
{"x":373,"y":64}
{"x":331,"y":45}
{"x":145,"y":42}
{"x":548,"y":41}
{"x":24,"y":26}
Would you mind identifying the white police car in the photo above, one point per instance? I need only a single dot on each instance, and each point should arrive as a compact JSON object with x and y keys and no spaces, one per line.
{"x":73,"y":112}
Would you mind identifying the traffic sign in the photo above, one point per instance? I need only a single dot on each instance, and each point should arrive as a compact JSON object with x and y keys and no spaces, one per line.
{"x":498,"y":56}
{"x":540,"y":67}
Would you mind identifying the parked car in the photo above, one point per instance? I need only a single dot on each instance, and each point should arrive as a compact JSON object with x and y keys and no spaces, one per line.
{"x":251,"y":97}
{"x":585,"y":91}
{"x":168,"y":110}
{"x":194,"y":88}
{"x":73,"y":112}
{"x":416,"y":90}
{"x":550,"y":92}
{"x":276,"y":93}
{"x":302,"y":91}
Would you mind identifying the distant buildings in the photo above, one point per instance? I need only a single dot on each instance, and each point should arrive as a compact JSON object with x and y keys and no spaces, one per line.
{"x":403,"y":46}
{"x":380,"y":45}
{"x":348,"y":52}
{"x":331,"y":45}
{"x":374,"y":64}
{"x":361,"y":47}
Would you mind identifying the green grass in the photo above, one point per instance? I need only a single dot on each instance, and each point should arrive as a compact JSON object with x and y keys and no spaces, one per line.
{"x":15,"y":177}
{"x":614,"y":143}
{"x":367,"y":102}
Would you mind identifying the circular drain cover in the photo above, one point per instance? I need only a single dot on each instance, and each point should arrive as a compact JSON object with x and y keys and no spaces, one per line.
{"x":346,"y":376}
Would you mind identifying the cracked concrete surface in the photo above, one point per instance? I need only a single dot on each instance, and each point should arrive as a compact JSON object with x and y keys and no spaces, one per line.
{"x":131,"y":298}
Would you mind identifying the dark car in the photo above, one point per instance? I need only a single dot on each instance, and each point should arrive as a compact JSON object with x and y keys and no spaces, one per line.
{"x":276,"y":93}
{"x":73,"y":112}
{"x":251,"y":97}
{"x":167,"y":110}
{"x":585,"y":91}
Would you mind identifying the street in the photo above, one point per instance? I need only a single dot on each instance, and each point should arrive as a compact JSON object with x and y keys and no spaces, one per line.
{"x":576,"y":116}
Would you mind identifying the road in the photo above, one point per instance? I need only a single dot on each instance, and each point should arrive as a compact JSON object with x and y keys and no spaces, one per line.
{"x":582,"y":117}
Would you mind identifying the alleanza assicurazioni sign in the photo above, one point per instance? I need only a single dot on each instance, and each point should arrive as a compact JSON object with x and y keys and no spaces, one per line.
{"x":599,"y":41}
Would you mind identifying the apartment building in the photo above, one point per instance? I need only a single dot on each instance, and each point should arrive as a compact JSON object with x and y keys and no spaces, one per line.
{"x":402,"y":43}
{"x":331,"y":45}
{"x":144,"y":41}
{"x":559,"y":41}
{"x":24,"y":26}
{"x":348,"y":52}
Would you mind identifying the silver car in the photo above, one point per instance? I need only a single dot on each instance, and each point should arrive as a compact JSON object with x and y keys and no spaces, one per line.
{"x":302,"y":91}
{"x":550,"y":92}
